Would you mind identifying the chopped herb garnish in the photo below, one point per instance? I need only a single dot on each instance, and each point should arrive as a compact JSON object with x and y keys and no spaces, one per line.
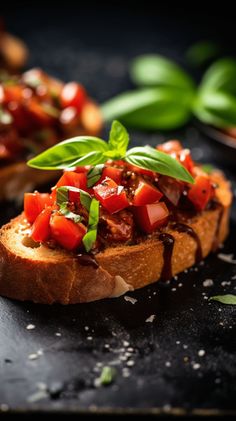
{"x":229,"y":299}
{"x":94,"y":174}
{"x":91,"y":235}
{"x":108,"y":375}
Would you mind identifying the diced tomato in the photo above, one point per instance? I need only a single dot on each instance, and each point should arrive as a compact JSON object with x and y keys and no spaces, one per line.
{"x":186,"y":160}
{"x":142,"y":171}
{"x":111,"y":196}
{"x":34,"y":203}
{"x":146,"y":194}
{"x":12,"y":93}
{"x":20,"y":117}
{"x":171,"y":188}
{"x":41,"y":113}
{"x":112,"y":172}
{"x":151,"y":217}
{"x":73,"y":95}
{"x":74,"y":179}
{"x":200,"y":192}
{"x":40,"y":230}
{"x":66,"y":232}
{"x":69,"y":119}
{"x":170,"y":146}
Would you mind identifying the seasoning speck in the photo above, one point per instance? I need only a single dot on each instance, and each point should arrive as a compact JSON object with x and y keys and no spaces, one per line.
{"x":150,"y":319}
{"x":196,"y":366}
{"x":4,"y":407}
{"x":130,"y":363}
{"x":57,"y":334}
{"x":30,"y":327}
{"x":126,"y":343}
{"x":33,"y":356}
{"x":228,"y":258}
{"x":201,"y":352}
{"x":208,"y":283}
{"x":168,"y":364}
{"x":130,"y":299}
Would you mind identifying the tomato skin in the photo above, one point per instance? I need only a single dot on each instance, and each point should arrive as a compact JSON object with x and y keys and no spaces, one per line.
{"x":66,"y":233}
{"x":73,"y":95}
{"x":171,"y":188}
{"x":112,"y":172}
{"x":34,"y":203}
{"x":146,"y":194}
{"x":111,"y":196}
{"x":74,"y":179}
{"x":40,"y":230}
{"x":200,"y":192}
{"x":151,"y":217}
{"x":186,"y":160}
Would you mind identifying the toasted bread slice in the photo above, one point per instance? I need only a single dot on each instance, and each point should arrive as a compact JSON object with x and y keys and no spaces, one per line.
{"x":29,"y":271}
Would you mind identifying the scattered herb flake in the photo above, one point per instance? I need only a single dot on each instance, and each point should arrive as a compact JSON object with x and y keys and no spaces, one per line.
{"x":228,"y":299}
{"x":108,"y":375}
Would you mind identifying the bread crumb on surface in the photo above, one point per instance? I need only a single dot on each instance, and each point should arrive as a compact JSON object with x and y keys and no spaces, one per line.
{"x":130,"y":299}
{"x":151,"y":318}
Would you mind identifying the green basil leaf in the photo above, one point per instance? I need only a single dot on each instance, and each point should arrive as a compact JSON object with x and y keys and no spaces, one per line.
{"x":161,"y":108}
{"x":107,"y":376}
{"x":63,"y":196}
{"x":201,"y":52}
{"x":156,"y":70}
{"x":221,"y":76}
{"x":94,"y":174}
{"x":216,"y":108}
{"x":65,"y":211}
{"x":81,"y":150}
{"x":118,"y":140}
{"x":229,"y":299}
{"x":91,"y":235}
{"x":160,"y":162}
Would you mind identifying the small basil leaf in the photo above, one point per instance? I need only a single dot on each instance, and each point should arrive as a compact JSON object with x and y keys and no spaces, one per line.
{"x":161,"y":108}
{"x":94,"y":174}
{"x":65,"y":211}
{"x":63,"y":196}
{"x":201,"y":52}
{"x":81,"y":150}
{"x":91,"y":235}
{"x":107,"y":376}
{"x":160,"y":162}
{"x":118,"y":140}
{"x":216,"y":108}
{"x":229,"y":299}
{"x":156,"y":70}
{"x":221,"y":76}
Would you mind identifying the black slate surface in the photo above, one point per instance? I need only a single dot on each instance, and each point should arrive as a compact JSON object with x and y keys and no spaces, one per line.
{"x":158,"y":364}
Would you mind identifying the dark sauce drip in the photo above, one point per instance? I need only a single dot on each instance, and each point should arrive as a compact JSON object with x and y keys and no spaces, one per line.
{"x":180,"y":227}
{"x":168,"y":244}
{"x":215,"y":243}
{"x":87,"y":260}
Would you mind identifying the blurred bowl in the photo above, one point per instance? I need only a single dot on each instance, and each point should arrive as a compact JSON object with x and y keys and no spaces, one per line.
{"x":223,"y":145}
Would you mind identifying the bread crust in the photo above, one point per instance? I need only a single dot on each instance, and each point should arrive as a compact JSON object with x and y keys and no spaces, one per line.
{"x":46,"y":275}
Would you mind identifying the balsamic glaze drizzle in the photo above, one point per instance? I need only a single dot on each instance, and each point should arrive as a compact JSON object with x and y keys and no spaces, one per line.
{"x":87,"y":260}
{"x":180,"y":227}
{"x":168,"y":244}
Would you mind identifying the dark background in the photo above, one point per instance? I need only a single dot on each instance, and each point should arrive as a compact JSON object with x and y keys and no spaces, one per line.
{"x":93,"y":44}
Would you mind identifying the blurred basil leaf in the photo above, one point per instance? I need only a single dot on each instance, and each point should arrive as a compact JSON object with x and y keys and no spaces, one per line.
{"x":216,"y":108}
{"x":201,"y":52}
{"x":162,"y":108}
{"x":221,"y":76}
{"x":156,"y":70}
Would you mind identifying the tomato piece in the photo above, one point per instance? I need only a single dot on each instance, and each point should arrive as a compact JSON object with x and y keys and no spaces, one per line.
{"x":41,"y":113}
{"x":69,"y":119}
{"x":112,"y":172}
{"x":40,"y":230}
{"x":34,"y":203}
{"x":170,"y":146}
{"x":151,"y":217}
{"x":74,"y":179}
{"x":73,"y":95}
{"x":142,"y":171}
{"x":111,"y":196}
{"x":12,"y":93}
{"x":186,"y":160}
{"x":20,"y":117}
{"x":171,"y":188}
{"x":68,"y":234}
{"x":200,"y":192}
{"x":146,"y":193}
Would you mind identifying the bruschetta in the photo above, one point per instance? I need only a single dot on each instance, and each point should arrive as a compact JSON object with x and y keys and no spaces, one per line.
{"x":37,"y":111}
{"x":112,"y":227}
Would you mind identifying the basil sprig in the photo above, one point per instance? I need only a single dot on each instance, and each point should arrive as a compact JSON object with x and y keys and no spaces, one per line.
{"x":92,"y":206}
{"x":84,"y":150}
